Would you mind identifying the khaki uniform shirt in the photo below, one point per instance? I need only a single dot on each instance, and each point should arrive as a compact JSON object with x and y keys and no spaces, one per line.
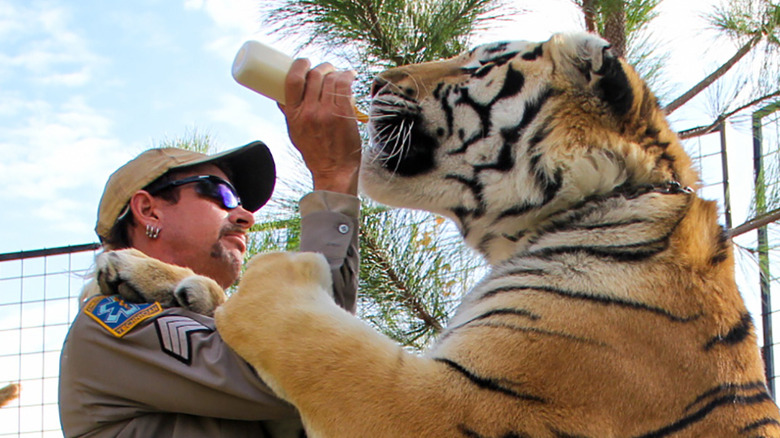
{"x":171,"y":374}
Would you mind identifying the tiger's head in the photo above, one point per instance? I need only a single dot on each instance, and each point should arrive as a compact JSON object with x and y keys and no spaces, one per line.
{"x":505,"y":136}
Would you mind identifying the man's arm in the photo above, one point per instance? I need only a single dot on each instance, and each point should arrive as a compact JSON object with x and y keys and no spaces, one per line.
{"x":172,"y":362}
{"x":322,"y":126}
{"x":329,"y":225}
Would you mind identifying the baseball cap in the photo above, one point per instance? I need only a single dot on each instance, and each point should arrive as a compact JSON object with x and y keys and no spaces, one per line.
{"x":251,"y":168}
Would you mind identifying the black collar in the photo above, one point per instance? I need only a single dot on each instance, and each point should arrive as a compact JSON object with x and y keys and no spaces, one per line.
{"x":667,"y":188}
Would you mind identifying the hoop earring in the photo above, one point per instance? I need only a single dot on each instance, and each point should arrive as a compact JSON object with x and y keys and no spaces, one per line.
{"x":152,"y":231}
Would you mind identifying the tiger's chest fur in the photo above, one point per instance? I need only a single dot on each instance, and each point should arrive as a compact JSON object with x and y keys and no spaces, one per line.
{"x":597,"y":320}
{"x":611,"y":308}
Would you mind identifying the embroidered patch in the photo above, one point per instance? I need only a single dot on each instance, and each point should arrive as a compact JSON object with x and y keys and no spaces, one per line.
{"x":175,"y":333}
{"x":117,"y":315}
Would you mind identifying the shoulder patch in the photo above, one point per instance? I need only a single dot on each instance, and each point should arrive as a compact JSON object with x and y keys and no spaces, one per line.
{"x":117,"y":315}
{"x":175,"y":333}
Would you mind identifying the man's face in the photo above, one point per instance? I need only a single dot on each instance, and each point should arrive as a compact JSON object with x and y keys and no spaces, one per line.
{"x":201,"y":234}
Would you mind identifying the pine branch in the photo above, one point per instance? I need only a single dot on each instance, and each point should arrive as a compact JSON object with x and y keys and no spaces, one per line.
{"x":712,"y":77}
{"x":706,"y":129}
{"x":755,"y":223}
{"x":408,"y":299}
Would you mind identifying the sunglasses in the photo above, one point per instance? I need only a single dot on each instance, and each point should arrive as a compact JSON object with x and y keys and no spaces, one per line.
{"x":210,"y":186}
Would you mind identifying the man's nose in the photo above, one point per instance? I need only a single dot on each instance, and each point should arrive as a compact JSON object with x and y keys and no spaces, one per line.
{"x":242,"y":217}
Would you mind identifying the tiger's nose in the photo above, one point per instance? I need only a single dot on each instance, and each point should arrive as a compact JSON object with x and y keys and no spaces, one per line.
{"x":400,"y":78}
{"x":377,"y":85}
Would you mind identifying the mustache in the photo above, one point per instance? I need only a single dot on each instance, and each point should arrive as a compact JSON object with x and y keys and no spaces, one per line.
{"x":232,"y":229}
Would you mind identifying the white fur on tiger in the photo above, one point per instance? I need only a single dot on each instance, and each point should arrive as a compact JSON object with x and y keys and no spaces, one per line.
{"x":610,"y":310}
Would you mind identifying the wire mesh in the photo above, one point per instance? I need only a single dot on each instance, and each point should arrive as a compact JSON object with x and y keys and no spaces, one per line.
{"x":38,"y":300}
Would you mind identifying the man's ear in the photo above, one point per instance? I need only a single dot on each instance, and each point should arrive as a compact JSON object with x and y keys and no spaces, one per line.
{"x":144,"y":207}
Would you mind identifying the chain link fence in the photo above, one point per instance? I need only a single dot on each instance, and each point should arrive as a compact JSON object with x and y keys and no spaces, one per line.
{"x":38,"y":300}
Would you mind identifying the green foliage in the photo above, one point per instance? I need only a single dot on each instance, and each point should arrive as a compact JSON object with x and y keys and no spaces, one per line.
{"x":414,"y":269}
{"x":191,"y":140}
{"x":638,"y":13}
{"x":754,"y":23}
{"x":385,"y":33}
{"x":744,"y":19}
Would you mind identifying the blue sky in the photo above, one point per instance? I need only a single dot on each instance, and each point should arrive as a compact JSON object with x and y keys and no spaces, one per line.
{"x":87,"y":85}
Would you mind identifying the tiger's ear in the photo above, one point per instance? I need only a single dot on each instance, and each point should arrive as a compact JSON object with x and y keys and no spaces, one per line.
{"x":591,"y":52}
{"x":612,"y":84}
{"x":587,"y":61}
{"x":605,"y":73}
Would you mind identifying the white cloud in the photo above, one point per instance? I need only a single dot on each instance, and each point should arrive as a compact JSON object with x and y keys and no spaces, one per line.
{"x":55,"y":145}
{"x":43,"y":49}
{"x":56,"y":160}
{"x":241,"y":16}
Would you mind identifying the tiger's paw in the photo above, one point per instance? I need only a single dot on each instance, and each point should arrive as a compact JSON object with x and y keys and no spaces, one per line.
{"x":199,"y":294}
{"x":139,"y":278}
{"x":276,"y":289}
{"x":275,"y":309}
{"x":305,"y":273}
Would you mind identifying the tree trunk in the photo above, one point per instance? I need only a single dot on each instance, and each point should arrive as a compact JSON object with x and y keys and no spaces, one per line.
{"x":615,"y":29}
{"x":589,"y":11}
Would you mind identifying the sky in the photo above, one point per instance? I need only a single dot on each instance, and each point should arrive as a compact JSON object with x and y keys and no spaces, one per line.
{"x":85,"y":86}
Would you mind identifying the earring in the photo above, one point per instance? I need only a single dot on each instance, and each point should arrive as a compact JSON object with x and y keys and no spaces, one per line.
{"x":152,"y":231}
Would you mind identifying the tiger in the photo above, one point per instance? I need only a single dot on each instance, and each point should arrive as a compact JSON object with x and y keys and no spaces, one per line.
{"x":9,"y":393}
{"x":610,"y":307}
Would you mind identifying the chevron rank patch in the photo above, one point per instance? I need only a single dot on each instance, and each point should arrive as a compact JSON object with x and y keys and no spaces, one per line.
{"x":117,"y":315}
{"x":175,"y":333}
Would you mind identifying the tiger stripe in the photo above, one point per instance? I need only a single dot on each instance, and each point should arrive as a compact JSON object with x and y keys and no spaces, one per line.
{"x":489,"y":384}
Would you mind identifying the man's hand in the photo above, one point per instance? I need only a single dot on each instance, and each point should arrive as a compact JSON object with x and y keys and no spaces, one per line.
{"x":322,"y":124}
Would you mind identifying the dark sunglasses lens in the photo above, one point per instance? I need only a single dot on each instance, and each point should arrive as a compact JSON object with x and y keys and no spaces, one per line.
{"x":219,"y":192}
{"x":228,"y":198}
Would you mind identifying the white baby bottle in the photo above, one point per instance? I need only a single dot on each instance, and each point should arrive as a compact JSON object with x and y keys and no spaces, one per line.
{"x":262,"y":68}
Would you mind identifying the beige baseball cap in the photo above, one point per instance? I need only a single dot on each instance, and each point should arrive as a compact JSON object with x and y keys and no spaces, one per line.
{"x":251,"y":168}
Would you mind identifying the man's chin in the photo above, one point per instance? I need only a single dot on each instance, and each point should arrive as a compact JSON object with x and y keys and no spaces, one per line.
{"x":230,"y":261}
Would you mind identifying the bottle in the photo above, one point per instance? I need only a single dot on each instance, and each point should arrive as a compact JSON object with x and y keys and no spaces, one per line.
{"x":262,"y":69}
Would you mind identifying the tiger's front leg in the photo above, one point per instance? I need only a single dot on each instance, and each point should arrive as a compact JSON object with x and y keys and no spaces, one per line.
{"x":326,"y":361}
{"x":139,"y":278}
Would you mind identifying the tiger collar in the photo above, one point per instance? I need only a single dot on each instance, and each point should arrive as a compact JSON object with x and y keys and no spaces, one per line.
{"x":647,"y":236}
{"x":666,"y":188}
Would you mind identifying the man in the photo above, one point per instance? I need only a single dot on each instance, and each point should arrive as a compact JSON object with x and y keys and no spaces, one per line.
{"x":137,"y":370}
